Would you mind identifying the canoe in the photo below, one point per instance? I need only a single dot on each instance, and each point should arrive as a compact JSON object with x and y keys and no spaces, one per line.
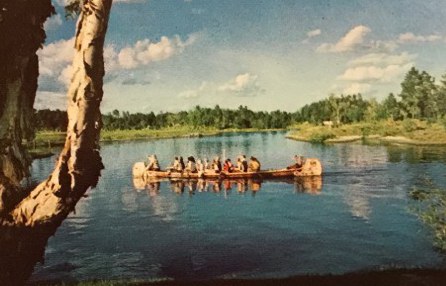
{"x":311,"y":167}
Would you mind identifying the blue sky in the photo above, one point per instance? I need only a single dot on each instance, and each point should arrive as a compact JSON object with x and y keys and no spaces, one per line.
{"x":166,"y":55}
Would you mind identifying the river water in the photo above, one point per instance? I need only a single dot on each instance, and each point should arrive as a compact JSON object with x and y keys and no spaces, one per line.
{"x":357,"y":217}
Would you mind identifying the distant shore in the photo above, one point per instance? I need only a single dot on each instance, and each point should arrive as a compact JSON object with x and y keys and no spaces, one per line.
{"x":410,"y":132}
{"x":45,"y":141}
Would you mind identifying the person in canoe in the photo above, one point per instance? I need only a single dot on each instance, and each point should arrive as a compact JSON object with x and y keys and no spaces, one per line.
{"x":227,"y":166}
{"x":206,"y":165}
{"x":216,"y":165}
{"x":200,"y":167}
{"x":191,"y":165}
{"x":178,"y":165}
{"x":298,"y":163}
{"x":254,"y":164}
{"x":182,"y":165}
{"x":153,"y":164}
{"x":244,"y":164}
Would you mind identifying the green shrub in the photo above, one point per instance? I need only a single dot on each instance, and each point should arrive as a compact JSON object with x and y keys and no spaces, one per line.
{"x":321,"y":137}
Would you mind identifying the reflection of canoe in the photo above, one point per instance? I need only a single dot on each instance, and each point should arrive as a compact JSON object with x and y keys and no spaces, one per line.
{"x":312,"y":167}
{"x":306,"y":184}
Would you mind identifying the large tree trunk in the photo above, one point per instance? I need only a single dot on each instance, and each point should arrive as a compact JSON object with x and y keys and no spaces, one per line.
{"x":79,"y":165}
{"x":26,"y":229}
{"x":21,"y":34}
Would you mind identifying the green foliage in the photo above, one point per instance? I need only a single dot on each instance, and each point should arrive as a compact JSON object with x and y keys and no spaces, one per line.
{"x":321,"y":137}
{"x":430,"y":207}
{"x":443,"y":122}
{"x":199,"y":117}
{"x":72,"y":9}
{"x":343,"y":109}
{"x":419,"y":95}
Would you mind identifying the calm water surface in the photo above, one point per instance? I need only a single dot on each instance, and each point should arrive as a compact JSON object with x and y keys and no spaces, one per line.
{"x":357,"y":218}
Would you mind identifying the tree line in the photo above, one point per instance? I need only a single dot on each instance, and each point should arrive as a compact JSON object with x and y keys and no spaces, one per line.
{"x":420,"y":98}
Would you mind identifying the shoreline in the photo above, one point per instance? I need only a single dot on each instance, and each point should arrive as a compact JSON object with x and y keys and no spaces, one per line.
{"x":45,"y":141}
{"x":408,"y":132}
{"x":370,"y":138}
{"x":385,"y":132}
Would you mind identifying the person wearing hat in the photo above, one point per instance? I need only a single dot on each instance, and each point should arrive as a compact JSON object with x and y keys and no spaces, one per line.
{"x":254,"y":164}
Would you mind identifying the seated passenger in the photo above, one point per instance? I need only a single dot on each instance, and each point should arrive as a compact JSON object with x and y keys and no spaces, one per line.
{"x":153,"y":164}
{"x":239,"y":164}
{"x":297,"y":164}
{"x":175,"y":166}
{"x":244,"y":164}
{"x":216,"y":165}
{"x":182,"y":166}
{"x":206,"y":164}
{"x":228,"y":167}
{"x":191,"y":166}
{"x":254,"y":165}
{"x":200,"y":166}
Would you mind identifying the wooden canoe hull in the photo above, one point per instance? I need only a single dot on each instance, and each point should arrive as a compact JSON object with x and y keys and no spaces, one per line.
{"x":312,"y":167}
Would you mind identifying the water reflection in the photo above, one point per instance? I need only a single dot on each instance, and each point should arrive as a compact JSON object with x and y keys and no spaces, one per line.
{"x":416,"y":154}
{"x":308,"y":185}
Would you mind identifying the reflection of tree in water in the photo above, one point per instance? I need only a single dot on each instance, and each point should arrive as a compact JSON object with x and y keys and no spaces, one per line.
{"x":416,"y":154}
{"x":430,"y":206}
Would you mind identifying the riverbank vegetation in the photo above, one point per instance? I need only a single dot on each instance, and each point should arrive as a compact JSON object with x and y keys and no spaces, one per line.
{"x":429,"y":205}
{"x":417,"y":115}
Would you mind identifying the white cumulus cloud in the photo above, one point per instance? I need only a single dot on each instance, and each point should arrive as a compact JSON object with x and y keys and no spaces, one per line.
{"x":378,"y":67}
{"x":353,"y":39}
{"x":145,"y":51}
{"x":242,"y":85}
{"x":55,"y":59}
{"x":383,"y":59}
{"x":53,"y":23}
{"x":55,"y":56}
{"x":374,"y":73}
{"x":412,"y":38}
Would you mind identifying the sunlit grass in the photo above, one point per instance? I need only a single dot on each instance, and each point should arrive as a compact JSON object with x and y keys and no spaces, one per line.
{"x":418,"y":131}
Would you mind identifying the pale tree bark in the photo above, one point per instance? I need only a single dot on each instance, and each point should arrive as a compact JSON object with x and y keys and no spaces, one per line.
{"x":25,"y":230}
{"x":79,"y":164}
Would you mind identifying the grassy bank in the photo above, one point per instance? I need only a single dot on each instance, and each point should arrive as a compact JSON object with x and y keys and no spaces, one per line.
{"x":414,"y":132}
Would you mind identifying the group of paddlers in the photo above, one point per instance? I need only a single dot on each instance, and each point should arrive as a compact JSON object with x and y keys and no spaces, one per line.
{"x":200,"y":166}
